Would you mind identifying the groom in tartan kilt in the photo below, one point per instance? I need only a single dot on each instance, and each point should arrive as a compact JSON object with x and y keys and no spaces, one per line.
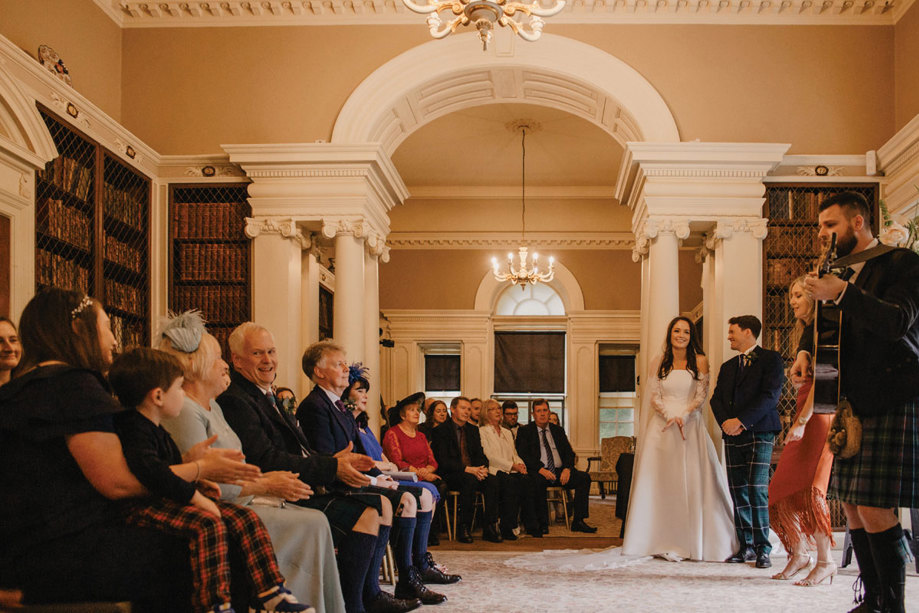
{"x":745,"y":404}
{"x":879,"y":373}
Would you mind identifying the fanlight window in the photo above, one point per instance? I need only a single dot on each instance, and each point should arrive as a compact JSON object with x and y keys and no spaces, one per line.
{"x":530,"y":300}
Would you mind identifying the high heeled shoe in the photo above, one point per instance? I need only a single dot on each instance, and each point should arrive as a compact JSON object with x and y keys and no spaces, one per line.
{"x":790,"y":571}
{"x":819,"y":574}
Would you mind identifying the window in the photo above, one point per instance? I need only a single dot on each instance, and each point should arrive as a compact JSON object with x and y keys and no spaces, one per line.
{"x":530,"y":300}
{"x":616,"y":403}
{"x":441,"y":373}
{"x":530,"y":362}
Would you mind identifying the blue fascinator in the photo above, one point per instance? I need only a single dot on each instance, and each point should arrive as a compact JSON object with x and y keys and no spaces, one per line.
{"x":184,"y":330}
{"x":356,"y":372}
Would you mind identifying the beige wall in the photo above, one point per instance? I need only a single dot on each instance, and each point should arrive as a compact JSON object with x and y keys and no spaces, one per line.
{"x":85,"y":38}
{"x":906,"y":66}
{"x":189,"y":90}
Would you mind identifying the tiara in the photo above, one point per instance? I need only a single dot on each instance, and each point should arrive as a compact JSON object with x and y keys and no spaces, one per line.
{"x":87,"y":301}
{"x":183,"y":330}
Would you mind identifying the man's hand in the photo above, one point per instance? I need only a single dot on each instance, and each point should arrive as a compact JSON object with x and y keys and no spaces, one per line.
{"x":227,"y":466}
{"x":827,"y":287}
{"x":348,"y":474}
{"x":358,"y":461}
{"x":563,"y":478}
{"x":520,"y":468}
{"x":479,"y":472}
{"x":732,"y":427}
{"x":547,"y":474}
{"x":285,"y":484}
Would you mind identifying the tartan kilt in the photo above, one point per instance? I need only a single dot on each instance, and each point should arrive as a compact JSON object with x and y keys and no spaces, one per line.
{"x":885,"y":472}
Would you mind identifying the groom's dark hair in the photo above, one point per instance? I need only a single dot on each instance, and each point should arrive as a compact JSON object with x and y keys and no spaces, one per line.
{"x":747,"y":322}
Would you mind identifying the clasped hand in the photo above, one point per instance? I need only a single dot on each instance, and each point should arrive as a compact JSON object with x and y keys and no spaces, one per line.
{"x":732,"y":426}
{"x":679,"y":424}
{"x":479,"y":472}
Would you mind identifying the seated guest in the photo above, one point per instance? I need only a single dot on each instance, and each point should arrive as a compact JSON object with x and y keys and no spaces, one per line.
{"x":10,"y":349}
{"x":328,"y":423}
{"x":464,"y":467}
{"x":273,"y":441}
{"x":435,"y":413}
{"x":549,"y":459}
{"x":475,"y":412}
{"x":62,"y":540}
{"x":421,"y":559}
{"x":507,"y":467}
{"x":301,"y":537}
{"x":148,"y":383}
{"x":554,"y":419}
{"x":510,"y":412}
{"x":286,"y":399}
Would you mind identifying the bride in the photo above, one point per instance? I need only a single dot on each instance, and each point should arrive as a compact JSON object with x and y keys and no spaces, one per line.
{"x":679,"y":504}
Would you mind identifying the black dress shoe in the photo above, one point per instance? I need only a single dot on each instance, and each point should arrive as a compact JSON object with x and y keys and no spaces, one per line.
{"x":491,"y":534}
{"x":762,"y":560}
{"x":544,"y":529}
{"x":411,"y":586}
{"x":508,"y":535}
{"x":434,"y":572}
{"x":384,"y":602}
{"x":463,"y":535}
{"x":579,"y":525}
{"x":744,"y":554}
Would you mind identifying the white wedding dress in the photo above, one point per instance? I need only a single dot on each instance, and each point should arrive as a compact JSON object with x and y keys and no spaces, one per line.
{"x":680,"y":506}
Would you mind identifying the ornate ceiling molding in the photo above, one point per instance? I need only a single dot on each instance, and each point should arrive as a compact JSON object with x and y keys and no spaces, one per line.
{"x":501,"y":240}
{"x":217,"y":13}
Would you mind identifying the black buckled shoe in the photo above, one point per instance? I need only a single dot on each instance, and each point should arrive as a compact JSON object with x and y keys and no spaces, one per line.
{"x":433,"y":573}
{"x":491,"y":533}
{"x":579,"y":525}
{"x":411,"y":586}
{"x":384,"y":602}
{"x":744,"y":554}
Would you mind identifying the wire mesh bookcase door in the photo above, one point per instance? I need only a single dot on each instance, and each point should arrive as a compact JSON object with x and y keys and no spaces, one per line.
{"x":210,"y":259}
{"x":791,"y":249}
{"x":65,"y":213}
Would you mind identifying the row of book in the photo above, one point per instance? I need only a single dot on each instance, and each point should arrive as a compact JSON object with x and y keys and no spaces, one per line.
{"x":70,"y":175}
{"x":778,"y":339}
{"x":123,"y":254}
{"x":126,"y":297}
{"x":65,"y":223}
{"x":780,"y":272}
{"x":124,"y":206}
{"x":57,"y":271}
{"x":793,"y":240}
{"x":209,"y":262}
{"x":794,"y":204}
{"x":218,"y":220}
{"x":128,"y":333}
{"x":216,"y":303}
{"x":778,"y":310}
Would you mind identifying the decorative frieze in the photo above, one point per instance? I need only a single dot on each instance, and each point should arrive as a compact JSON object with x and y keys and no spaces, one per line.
{"x":492,"y":240}
{"x":726,"y":228}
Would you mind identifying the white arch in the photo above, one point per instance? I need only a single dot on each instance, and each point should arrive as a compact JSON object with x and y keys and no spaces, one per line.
{"x":443,"y":76}
{"x":23,"y":134}
{"x":567,"y":286}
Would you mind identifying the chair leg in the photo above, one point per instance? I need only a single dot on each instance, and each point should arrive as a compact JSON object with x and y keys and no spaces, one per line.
{"x":389,"y":567}
{"x":455,"y":501}
{"x":450,"y":532}
{"x":565,"y":509}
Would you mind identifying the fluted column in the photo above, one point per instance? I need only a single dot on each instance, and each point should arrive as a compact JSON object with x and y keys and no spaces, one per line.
{"x":375,"y":252}
{"x":277,"y":244}
{"x":309,"y":332}
{"x":664,"y":235}
{"x":348,"y":312}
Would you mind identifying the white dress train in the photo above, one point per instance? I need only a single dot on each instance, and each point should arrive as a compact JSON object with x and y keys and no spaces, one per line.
{"x":680,"y":506}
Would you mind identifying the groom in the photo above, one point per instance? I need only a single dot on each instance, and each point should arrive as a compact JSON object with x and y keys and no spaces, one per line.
{"x":744,"y":403}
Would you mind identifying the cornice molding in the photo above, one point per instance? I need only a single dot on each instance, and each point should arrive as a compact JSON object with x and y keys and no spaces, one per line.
{"x":511,"y":192}
{"x":493,"y":240}
{"x":211,"y":13}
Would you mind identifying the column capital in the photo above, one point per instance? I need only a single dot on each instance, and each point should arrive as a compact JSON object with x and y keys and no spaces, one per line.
{"x":377,"y":247}
{"x":348,"y":226}
{"x":286,"y":227}
{"x":726,"y":228}
{"x":657,"y":225}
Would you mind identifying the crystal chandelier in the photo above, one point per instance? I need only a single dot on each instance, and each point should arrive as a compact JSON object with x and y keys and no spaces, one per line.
{"x":484,"y":14}
{"x":526,"y":270}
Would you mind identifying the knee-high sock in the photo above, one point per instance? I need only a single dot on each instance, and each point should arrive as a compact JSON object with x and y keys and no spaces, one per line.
{"x":420,"y":543}
{"x":372,"y":579}
{"x":866,"y":567}
{"x":403,"y":531}
{"x":889,"y":552}
{"x":353,"y":561}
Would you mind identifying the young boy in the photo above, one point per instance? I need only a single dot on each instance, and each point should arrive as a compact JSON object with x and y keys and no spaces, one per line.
{"x":150,"y":381}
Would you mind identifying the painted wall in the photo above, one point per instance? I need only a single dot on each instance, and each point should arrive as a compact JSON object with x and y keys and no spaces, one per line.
{"x":85,"y":38}
{"x":189,"y":90}
{"x":906,"y":60}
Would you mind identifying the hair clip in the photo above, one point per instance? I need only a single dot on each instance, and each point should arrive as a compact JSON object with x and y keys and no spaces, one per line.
{"x":184,"y":330}
{"x":87,"y":301}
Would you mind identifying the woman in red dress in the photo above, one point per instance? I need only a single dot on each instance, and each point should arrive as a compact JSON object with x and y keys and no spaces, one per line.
{"x":407,"y":447}
{"x":798,"y":512}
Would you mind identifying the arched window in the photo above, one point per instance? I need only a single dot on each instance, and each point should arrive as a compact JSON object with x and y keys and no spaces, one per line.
{"x":530,"y":300}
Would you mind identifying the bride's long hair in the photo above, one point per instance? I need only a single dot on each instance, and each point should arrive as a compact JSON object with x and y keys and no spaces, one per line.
{"x":692,"y":350}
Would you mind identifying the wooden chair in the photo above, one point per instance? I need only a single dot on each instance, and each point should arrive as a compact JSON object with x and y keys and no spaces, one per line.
{"x":556,"y":493}
{"x":451,"y":514}
{"x":388,"y":568}
{"x":605,"y":474}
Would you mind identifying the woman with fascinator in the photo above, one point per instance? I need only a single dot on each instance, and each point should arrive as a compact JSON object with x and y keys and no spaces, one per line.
{"x":301,"y":537}
{"x":355,"y":397}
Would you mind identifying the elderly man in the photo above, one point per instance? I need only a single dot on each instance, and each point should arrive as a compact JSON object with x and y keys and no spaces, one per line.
{"x":272,"y":440}
{"x":463,"y":465}
{"x":549,"y":460}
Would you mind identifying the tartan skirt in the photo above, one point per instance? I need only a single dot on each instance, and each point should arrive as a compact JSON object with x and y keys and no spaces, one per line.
{"x":885,"y":471}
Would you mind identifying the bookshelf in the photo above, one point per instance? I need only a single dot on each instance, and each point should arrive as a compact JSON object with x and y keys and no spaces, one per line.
{"x":92,"y":221}
{"x":210,"y":257}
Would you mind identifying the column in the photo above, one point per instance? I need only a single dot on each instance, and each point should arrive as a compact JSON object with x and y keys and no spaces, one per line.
{"x":309,"y":302}
{"x":711,"y":335}
{"x":376,"y":251}
{"x":276,"y":280}
{"x":663,"y":277}
{"x":348,"y":312}
{"x":640,"y":254}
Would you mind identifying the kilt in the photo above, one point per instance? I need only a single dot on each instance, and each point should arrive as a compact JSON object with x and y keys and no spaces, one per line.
{"x":885,"y":472}
{"x":342,"y":510}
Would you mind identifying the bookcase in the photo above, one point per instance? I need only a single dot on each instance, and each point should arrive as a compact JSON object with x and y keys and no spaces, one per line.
{"x":210,"y":256}
{"x":92,"y":220}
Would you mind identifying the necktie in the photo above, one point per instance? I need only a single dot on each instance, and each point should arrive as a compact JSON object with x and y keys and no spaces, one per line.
{"x":340,"y":406}
{"x":464,"y":451}
{"x":847,"y":273}
{"x":550,"y":461}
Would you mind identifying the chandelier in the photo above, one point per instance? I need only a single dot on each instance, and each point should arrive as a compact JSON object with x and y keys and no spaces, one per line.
{"x":526,"y":270}
{"x":484,"y":14}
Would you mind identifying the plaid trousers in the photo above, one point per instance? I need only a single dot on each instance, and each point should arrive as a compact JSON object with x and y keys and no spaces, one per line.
{"x":749,"y":456}
{"x":208,"y":540}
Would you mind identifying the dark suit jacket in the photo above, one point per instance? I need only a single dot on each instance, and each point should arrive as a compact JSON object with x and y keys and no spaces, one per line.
{"x":528,"y":447}
{"x":270,"y":440}
{"x":880,"y":333}
{"x":447,"y":452}
{"x":325,"y":426}
{"x":751,"y":395}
